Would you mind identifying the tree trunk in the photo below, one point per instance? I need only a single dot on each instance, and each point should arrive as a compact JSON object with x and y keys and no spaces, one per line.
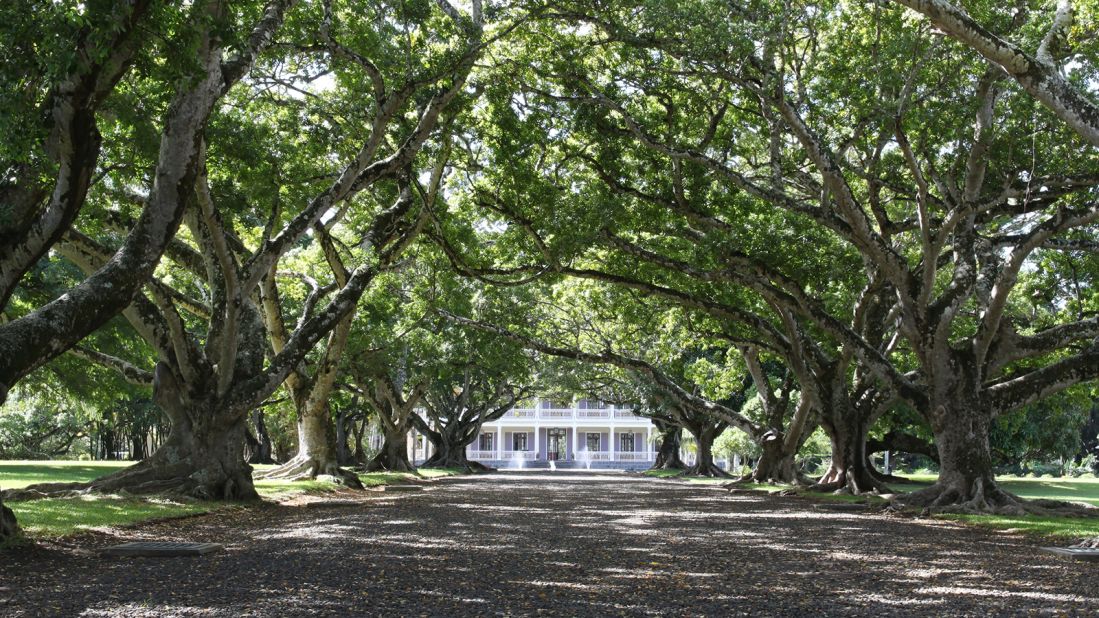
{"x":850,"y":470}
{"x":316,"y":451}
{"x":966,"y":483}
{"x":393,"y":456}
{"x":671,"y":439}
{"x":9,"y":529}
{"x":343,"y":455}
{"x":776,"y":464}
{"x":262,"y":448}
{"x":704,"y":464}
{"x":203,"y":456}
{"x":450,"y":449}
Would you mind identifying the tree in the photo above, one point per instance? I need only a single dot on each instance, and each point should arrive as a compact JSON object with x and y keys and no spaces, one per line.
{"x":212,"y":370}
{"x":33,"y":338}
{"x":939,"y":243}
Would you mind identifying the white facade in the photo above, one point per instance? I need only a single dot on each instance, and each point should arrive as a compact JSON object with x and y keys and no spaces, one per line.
{"x":584,"y":431}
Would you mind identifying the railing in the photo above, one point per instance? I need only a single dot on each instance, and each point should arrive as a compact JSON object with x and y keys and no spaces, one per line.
{"x":569,"y":413}
{"x":518,"y":455}
{"x":481,"y":455}
{"x":633,"y":456}
{"x":593,"y":456}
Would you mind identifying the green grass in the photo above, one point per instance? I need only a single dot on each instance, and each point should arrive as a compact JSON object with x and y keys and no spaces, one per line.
{"x":19,"y":474}
{"x":56,"y":517}
{"x":1070,"y":528}
{"x":663,"y":474}
{"x":1062,"y":528}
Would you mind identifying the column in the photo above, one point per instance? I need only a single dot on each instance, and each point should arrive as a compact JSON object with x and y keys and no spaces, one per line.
{"x":648,"y":441}
{"x":536,"y":441}
{"x":499,"y":442}
{"x":611,"y":445}
{"x":575,"y":441}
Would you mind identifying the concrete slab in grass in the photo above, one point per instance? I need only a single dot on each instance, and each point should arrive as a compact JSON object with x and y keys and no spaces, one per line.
{"x":404,"y":488}
{"x":1076,"y":553}
{"x":166,"y":549}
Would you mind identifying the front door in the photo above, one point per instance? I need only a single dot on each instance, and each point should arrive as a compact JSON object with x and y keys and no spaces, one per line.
{"x":555,"y":444}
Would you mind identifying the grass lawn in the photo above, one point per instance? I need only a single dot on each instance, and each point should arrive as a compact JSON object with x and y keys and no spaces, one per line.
{"x":56,"y":517}
{"x":1071,"y":489}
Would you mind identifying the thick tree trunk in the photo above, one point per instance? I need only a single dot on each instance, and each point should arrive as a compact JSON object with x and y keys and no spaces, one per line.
{"x":203,"y":459}
{"x":667,"y":456}
{"x":316,"y":451}
{"x":343,"y":455}
{"x":9,"y":529}
{"x":850,"y":470}
{"x":775,"y":465}
{"x":450,"y":449}
{"x":261,"y":449}
{"x":704,"y":464}
{"x":966,"y":483}
{"x":393,"y":456}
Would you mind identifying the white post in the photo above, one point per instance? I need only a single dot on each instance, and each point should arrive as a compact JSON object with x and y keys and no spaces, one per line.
{"x":536,"y":443}
{"x":575,"y":440}
{"x":611,"y":449}
{"x":648,"y":441}
{"x":499,"y":442}
{"x":888,"y":469}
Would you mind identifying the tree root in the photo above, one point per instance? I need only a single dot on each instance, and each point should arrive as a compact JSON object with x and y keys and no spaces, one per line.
{"x":467,"y":466}
{"x":9,"y":528}
{"x":710,"y":470}
{"x":844,"y":482}
{"x":987,"y":499}
{"x":305,"y":468}
{"x":153,"y":476}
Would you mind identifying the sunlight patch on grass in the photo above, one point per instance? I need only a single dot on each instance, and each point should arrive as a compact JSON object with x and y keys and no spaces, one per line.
{"x":1061,"y":527}
{"x":663,"y":474}
{"x":56,"y":517}
{"x":17,"y":474}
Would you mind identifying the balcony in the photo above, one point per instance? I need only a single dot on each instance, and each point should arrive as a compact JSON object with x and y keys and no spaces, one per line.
{"x":634,"y":456}
{"x":572,"y":413}
{"x":525,"y":455}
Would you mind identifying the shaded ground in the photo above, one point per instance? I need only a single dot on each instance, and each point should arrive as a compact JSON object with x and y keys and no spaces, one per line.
{"x":556,"y":544}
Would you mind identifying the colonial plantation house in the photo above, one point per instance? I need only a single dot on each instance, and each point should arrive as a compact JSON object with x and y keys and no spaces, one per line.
{"x":583,"y":434}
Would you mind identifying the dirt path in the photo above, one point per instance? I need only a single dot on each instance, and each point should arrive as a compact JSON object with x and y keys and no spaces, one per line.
{"x":555,"y":544}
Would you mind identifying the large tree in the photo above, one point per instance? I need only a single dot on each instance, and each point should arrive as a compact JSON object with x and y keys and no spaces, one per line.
{"x":219,"y":46}
{"x":213,"y":364}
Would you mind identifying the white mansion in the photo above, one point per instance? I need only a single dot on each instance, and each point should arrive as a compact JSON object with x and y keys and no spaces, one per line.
{"x":586,"y":433}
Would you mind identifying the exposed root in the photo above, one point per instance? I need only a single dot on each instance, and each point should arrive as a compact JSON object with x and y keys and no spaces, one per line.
{"x":304,"y":468}
{"x":710,"y":470}
{"x":986,"y":498}
{"x":9,"y":528}
{"x":465,"y":465}
{"x":155,"y":476}
{"x":1092,"y":543}
{"x":382,"y":464}
{"x":846,"y":482}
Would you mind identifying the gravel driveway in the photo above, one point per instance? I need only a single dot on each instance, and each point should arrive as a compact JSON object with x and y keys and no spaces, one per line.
{"x":559,"y":543}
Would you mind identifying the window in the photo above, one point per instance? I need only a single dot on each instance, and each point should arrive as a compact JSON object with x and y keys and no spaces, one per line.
{"x":485,"y":442}
{"x":626,"y":441}
{"x":591,"y":404}
{"x":519,"y":441}
{"x":593,"y":442}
